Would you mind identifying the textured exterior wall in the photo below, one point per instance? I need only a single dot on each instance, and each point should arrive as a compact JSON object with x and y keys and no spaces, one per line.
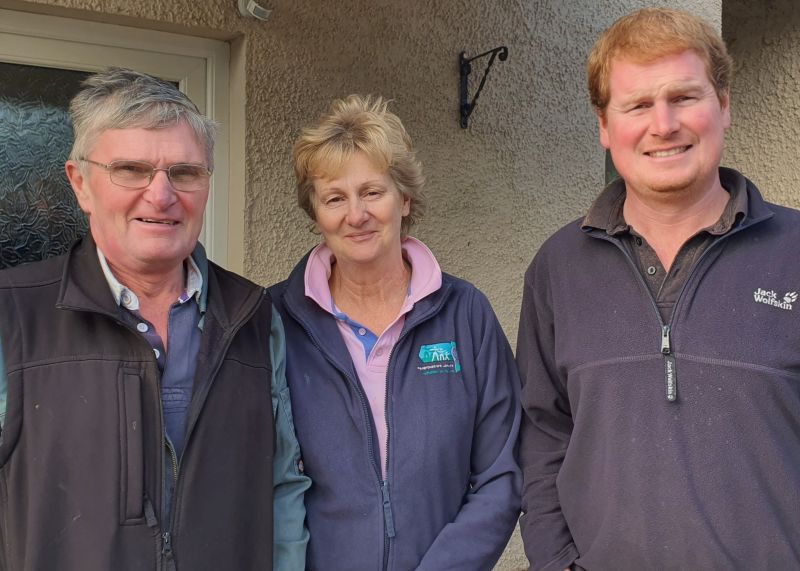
{"x":764,"y":40}
{"x":529,"y":163}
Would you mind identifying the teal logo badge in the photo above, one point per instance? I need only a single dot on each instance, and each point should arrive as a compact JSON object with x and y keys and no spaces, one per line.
{"x":439,"y":358}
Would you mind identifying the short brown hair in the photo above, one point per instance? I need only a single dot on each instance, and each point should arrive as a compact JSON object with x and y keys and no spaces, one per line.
{"x":649,"y":34}
{"x":353,"y":125}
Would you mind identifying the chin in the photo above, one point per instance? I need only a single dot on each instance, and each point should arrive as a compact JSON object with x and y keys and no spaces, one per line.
{"x":672,"y":185}
{"x":162,"y":258}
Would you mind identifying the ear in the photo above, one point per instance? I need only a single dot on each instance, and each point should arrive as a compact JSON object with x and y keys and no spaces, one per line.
{"x":79,"y":185}
{"x":602,"y":122}
{"x":725,"y":104}
{"x":406,"y":205}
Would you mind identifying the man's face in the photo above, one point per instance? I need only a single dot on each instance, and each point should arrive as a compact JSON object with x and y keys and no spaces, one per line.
{"x":150,"y":230}
{"x":665,"y":125}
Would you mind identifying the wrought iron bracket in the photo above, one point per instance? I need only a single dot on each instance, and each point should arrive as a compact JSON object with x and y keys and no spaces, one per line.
{"x":467,"y":106}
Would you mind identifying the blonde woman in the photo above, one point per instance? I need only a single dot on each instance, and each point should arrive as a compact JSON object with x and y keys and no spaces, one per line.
{"x":403,"y":385}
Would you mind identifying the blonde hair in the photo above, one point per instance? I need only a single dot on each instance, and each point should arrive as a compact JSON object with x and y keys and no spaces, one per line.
{"x":354,"y":125}
{"x":649,"y":34}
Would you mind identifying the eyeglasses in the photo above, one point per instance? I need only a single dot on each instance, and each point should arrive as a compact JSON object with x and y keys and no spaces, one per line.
{"x":139,"y":174}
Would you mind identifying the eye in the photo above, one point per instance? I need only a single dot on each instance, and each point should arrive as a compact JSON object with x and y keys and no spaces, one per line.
{"x":187,"y":172}
{"x":333,"y":200}
{"x":131,"y":168}
{"x":130,"y":173}
{"x":374,"y":193}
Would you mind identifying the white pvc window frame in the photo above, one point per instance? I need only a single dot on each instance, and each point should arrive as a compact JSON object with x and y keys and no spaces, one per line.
{"x":199,"y":66}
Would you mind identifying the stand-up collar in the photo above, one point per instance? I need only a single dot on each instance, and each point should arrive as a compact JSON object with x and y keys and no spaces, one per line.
{"x":745,"y":204}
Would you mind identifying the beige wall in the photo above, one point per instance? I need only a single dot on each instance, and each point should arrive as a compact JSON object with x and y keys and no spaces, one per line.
{"x":528,"y":164}
{"x":764,"y":40}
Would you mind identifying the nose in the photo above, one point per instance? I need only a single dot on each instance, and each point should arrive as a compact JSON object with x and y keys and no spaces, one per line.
{"x":357,"y":213}
{"x":159,"y":192}
{"x":664,"y":119}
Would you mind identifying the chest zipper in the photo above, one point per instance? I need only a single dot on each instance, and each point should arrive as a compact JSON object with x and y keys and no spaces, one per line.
{"x":670,"y":373}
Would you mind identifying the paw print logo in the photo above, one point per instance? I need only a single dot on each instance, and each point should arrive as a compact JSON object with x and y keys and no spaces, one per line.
{"x":790,"y":297}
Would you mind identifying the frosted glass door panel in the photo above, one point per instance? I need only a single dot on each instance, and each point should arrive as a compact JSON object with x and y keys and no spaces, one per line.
{"x":39,"y":216}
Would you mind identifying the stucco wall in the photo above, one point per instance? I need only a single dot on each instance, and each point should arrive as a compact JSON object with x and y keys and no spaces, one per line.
{"x":529,"y":163}
{"x":764,"y":40}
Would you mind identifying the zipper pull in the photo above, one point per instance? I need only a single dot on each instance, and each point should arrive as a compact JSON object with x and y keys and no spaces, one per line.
{"x":670,"y":372}
{"x":387,"y":509}
{"x":166,"y":549}
{"x":665,"y":345}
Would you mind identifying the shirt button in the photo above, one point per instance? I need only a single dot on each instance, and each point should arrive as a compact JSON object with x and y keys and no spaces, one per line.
{"x":638,"y":241}
{"x":362,"y":331}
{"x":142,"y":328}
{"x":125,"y":298}
{"x":379,"y":352}
{"x":651,"y":270}
{"x":157,"y":352}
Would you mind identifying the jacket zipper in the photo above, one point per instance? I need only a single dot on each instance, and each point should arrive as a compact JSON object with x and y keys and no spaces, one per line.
{"x":388,"y":515}
{"x":666,"y":347}
{"x":166,"y":549}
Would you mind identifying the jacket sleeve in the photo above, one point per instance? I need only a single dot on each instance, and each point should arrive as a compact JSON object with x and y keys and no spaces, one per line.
{"x":481,"y":529}
{"x":545,"y":430}
{"x":290,"y":484}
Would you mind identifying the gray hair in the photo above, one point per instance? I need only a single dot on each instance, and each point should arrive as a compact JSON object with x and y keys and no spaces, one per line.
{"x":120,"y":98}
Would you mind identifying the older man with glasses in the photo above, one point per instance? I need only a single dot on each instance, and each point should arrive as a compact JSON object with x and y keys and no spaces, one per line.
{"x":144,"y":412}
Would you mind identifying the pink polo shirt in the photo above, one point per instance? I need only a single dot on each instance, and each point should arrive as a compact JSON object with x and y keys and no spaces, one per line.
{"x":370,"y":352}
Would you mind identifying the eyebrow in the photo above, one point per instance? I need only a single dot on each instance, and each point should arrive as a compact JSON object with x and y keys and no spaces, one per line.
{"x":367,"y":183}
{"x":670,"y":89}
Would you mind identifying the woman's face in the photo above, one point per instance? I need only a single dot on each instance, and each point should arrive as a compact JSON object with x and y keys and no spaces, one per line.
{"x":359,"y":212}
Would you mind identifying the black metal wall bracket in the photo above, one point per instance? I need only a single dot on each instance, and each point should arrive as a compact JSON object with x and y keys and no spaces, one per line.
{"x":467,"y":106}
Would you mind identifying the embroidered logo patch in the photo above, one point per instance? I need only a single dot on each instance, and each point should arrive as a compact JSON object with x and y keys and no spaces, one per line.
{"x":770,"y":297}
{"x":439,"y":358}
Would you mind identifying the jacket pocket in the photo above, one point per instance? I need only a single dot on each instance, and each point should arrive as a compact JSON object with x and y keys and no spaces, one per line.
{"x":131,"y":447}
